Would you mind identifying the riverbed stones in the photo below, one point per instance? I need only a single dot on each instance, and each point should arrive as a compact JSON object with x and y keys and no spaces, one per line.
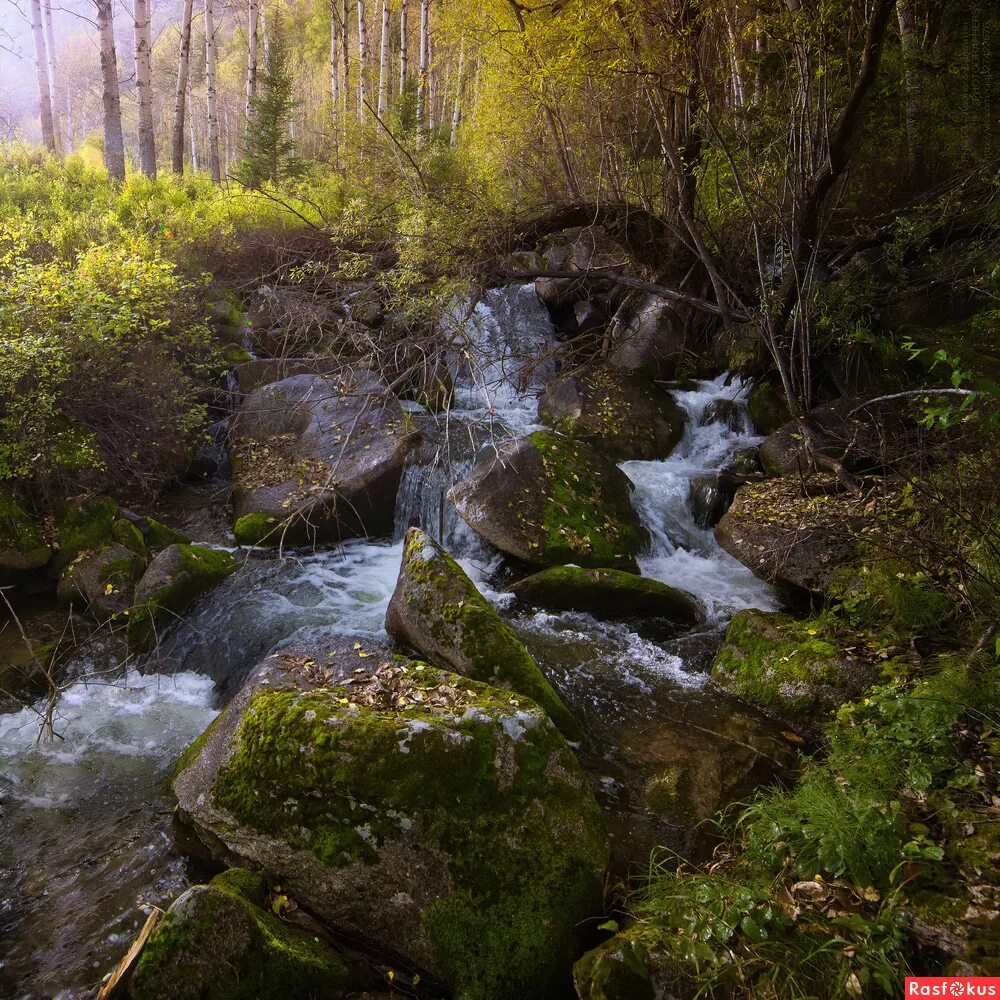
{"x":609,"y":594}
{"x":445,"y":823}
{"x":547,"y":500}
{"x":318,"y":459}
{"x":710,"y":496}
{"x":22,"y":547}
{"x":101,"y":581}
{"x":647,"y":336}
{"x":263,"y":371}
{"x":623,"y":415}
{"x":790,"y":667}
{"x":584,"y":249}
{"x":224,"y":940}
{"x":173,"y":581}
{"x":437,"y":611}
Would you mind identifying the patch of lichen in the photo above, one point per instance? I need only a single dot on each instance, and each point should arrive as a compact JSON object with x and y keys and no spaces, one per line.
{"x":222,"y":943}
{"x":492,"y":650}
{"x":200,"y":569}
{"x":579,"y":522}
{"x":790,"y":666}
{"x":524,"y":837}
{"x":19,"y":533}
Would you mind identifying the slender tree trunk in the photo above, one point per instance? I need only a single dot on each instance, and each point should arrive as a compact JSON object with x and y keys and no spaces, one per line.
{"x":114,"y":144}
{"x":183,"y":60}
{"x":914,"y":92}
{"x":432,"y":87}
{"x":383,"y":67}
{"x":423,"y":53}
{"x":362,"y":59}
{"x":211,"y":97}
{"x":144,"y":88}
{"x":335,"y":79}
{"x":55,"y":86}
{"x":265,"y":34}
{"x":456,"y":115}
{"x":42,"y":72}
{"x":253,"y":16}
{"x":403,"y":13}
{"x":192,"y":128}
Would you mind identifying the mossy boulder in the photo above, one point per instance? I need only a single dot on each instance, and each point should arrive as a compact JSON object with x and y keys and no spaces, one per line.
{"x":174,"y":580}
{"x":623,"y":415}
{"x":318,"y":459}
{"x":128,"y":534}
{"x":221,"y":941}
{"x":793,"y":668}
{"x":445,"y":823}
{"x":85,"y":525}
{"x":101,"y":581}
{"x":22,"y":547}
{"x":767,"y":407}
{"x":437,"y":610}
{"x":548,"y":500}
{"x":610,"y":594}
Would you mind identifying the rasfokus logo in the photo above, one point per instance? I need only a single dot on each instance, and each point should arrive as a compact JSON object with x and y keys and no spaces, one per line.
{"x":953,"y":986}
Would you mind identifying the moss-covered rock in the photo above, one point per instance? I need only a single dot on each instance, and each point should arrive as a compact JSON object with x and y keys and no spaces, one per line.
{"x":130,"y":536}
{"x":22,"y":547}
{"x":437,"y":610}
{"x":159,"y":536}
{"x":623,"y":415}
{"x":767,"y":407}
{"x":221,"y":942}
{"x":175,"y":579}
{"x":610,"y":594}
{"x":791,"y":667}
{"x":86,"y":525}
{"x":101,"y":581}
{"x":548,"y":500}
{"x":441,"y":821}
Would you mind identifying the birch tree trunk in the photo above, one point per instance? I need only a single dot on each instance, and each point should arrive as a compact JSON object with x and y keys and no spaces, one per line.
{"x":192,"y":129}
{"x":456,"y":115}
{"x":362,"y":59}
{"x":58,"y":100}
{"x":114,"y":144}
{"x":211,"y":97}
{"x":334,"y":61}
{"x":253,"y":16}
{"x":144,"y":88}
{"x":383,"y":66}
{"x":402,"y":45}
{"x":183,"y":60}
{"x":423,"y":50}
{"x":42,"y":72}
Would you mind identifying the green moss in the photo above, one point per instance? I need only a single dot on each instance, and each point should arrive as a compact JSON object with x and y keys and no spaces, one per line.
{"x":122,"y":573}
{"x":234,"y":354}
{"x":507,"y":929}
{"x":86,"y":526}
{"x":199,"y":570}
{"x":21,"y":544}
{"x":579,"y":524}
{"x":252,"y":529}
{"x":220,"y":942}
{"x":159,"y":536}
{"x":130,"y":536}
{"x":767,"y":407}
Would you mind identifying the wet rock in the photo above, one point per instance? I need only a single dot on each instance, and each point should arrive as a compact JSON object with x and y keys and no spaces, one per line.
{"x":101,"y":581}
{"x":174,"y":580}
{"x":767,"y":407}
{"x":437,"y":611}
{"x":586,"y":249}
{"x":790,"y":667}
{"x":725,"y":411}
{"x":799,"y":543}
{"x":609,"y":594}
{"x":222,"y":940}
{"x":548,"y":500}
{"x":263,"y":371}
{"x":226,"y":320}
{"x":647,"y":336}
{"x":710,"y":497}
{"x":463,"y":807}
{"x":624,"y":416}
{"x":318,"y":459}
{"x":636,"y":964}
{"x":155,"y":534}
{"x":745,"y":462}
{"x":590,"y":317}
{"x":22,"y":547}
{"x":86,"y":525}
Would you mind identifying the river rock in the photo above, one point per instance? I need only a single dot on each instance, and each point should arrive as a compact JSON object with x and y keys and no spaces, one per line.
{"x":609,"y":594}
{"x":438,"y":820}
{"x":263,"y":371}
{"x":437,"y":610}
{"x":725,"y":411}
{"x":174,"y":580}
{"x":623,"y":415}
{"x":710,"y":497}
{"x":22,"y":547}
{"x":101,"y":581}
{"x":86,"y":525}
{"x":745,"y":462}
{"x":548,"y":500}
{"x":585,"y":249}
{"x":223,"y":940}
{"x":767,"y":407}
{"x":291,"y":322}
{"x":318,"y":459}
{"x":790,"y":667}
{"x":799,"y":543}
{"x":647,"y":335}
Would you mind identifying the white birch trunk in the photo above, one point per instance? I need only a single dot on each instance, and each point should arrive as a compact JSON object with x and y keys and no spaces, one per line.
{"x":253,"y":17}
{"x":55,"y":84}
{"x":42,"y":73}
{"x":362,"y":59}
{"x":114,"y":144}
{"x":403,"y":14}
{"x":423,"y":53}
{"x":383,"y":66}
{"x":144,"y":88}
{"x":183,"y":61}
{"x":456,"y":114}
{"x":211,"y":97}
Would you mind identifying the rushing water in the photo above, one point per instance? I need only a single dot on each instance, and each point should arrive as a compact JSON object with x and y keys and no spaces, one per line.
{"x":87,"y":818}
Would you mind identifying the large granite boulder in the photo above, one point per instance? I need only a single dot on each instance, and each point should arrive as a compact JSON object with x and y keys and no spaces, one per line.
{"x":445,"y":823}
{"x":101,"y":581}
{"x":647,"y":335}
{"x":587,"y":250}
{"x":262,"y":371}
{"x":225,"y":940}
{"x":317,"y":459}
{"x":548,"y":500}
{"x":609,"y":594}
{"x":437,"y":610}
{"x":624,"y":416}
